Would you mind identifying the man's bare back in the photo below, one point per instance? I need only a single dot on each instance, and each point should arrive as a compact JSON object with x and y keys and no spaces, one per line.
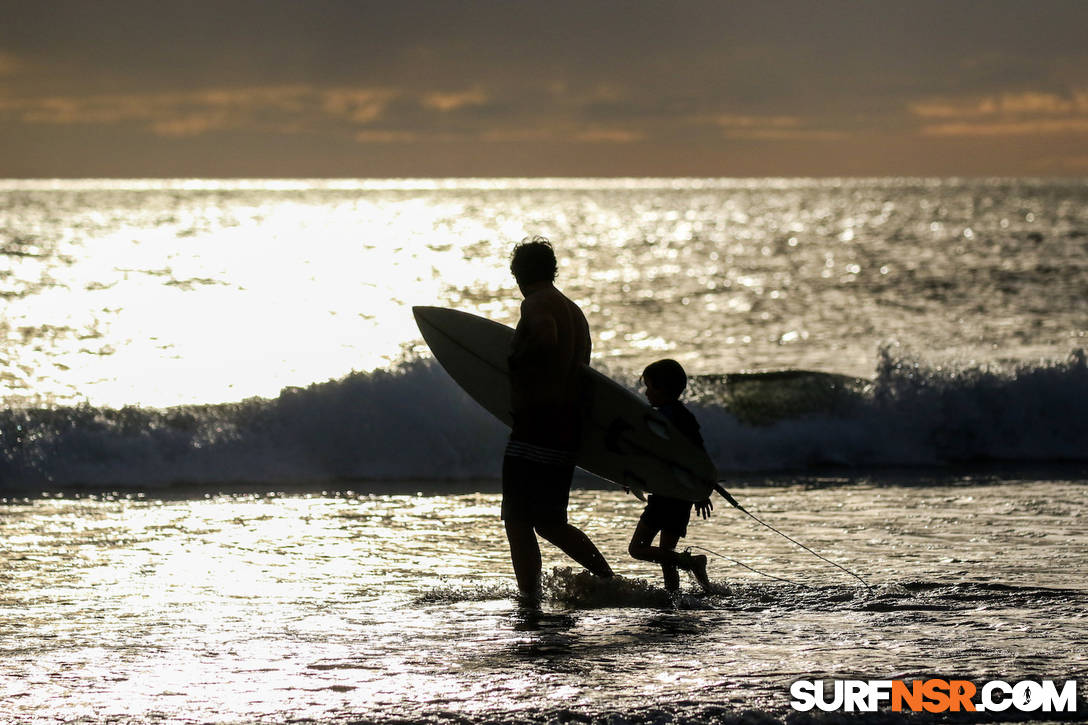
{"x":550,"y":346}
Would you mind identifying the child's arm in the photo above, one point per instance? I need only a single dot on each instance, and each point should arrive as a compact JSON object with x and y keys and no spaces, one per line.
{"x":704,"y":507}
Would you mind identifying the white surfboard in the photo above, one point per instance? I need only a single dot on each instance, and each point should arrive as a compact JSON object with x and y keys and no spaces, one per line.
{"x":624,"y":440}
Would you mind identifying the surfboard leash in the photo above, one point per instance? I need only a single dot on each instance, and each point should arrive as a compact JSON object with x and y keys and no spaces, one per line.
{"x":751,"y":569}
{"x":736,"y":505}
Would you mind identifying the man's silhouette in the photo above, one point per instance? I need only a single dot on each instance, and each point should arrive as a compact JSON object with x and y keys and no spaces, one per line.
{"x":551,"y":345}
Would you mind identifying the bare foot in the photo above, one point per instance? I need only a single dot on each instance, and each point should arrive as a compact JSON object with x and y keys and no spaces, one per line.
{"x":698,"y":569}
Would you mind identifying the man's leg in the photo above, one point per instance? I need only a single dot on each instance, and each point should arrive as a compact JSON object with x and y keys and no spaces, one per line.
{"x":575,"y":544}
{"x":517,"y":515}
{"x":525,"y":555}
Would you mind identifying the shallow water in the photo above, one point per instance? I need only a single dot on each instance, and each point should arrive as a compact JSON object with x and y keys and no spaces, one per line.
{"x":339,"y":607}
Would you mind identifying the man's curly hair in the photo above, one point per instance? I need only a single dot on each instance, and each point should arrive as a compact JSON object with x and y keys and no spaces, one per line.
{"x":533,"y":260}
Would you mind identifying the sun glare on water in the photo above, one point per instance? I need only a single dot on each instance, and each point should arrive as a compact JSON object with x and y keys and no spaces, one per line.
{"x":174,"y":299}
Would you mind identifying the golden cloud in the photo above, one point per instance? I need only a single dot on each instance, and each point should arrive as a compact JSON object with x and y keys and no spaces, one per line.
{"x":772,"y":128}
{"x":1027,"y":113}
{"x":1004,"y":104}
{"x":518,"y":135}
{"x":170,"y":114}
{"x":194,"y":125}
{"x":774,"y":134}
{"x":282,"y":109}
{"x":735,"y":121}
{"x":357,"y":105}
{"x":952,"y":108}
{"x":1008,"y":128}
{"x":454,"y":101}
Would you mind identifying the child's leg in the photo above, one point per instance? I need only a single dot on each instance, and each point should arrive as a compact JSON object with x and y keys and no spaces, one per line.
{"x":666,"y":555}
{"x":668,"y":561}
{"x":642,"y":549}
{"x":641,"y":542}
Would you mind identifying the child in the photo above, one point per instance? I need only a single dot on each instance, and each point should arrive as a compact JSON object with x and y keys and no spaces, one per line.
{"x":665,"y":380}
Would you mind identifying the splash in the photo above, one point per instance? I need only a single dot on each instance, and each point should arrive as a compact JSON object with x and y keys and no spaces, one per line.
{"x":583,"y":590}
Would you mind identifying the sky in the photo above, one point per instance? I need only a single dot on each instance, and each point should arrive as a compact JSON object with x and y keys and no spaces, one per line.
{"x":412,"y":88}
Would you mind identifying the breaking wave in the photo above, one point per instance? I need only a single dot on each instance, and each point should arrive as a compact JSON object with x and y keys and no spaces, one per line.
{"x":411,"y":422}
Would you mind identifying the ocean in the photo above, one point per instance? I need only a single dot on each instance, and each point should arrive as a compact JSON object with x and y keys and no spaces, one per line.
{"x":236,"y":487}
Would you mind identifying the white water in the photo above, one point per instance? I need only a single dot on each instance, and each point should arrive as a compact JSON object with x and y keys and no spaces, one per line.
{"x":414,"y":423}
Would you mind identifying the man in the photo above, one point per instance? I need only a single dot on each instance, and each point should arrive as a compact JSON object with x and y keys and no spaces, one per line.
{"x":551,"y":345}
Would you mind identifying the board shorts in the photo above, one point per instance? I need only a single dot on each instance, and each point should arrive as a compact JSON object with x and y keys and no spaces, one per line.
{"x":668,"y":515}
{"x":539,"y":465}
{"x":536,"y":483}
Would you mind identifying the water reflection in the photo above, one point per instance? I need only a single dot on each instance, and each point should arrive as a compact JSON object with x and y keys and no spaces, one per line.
{"x":348,"y":608}
{"x":534,"y":619}
{"x":151,"y":292}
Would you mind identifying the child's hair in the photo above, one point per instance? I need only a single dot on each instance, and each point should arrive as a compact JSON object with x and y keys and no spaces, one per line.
{"x":667,"y":375}
{"x":533,"y":260}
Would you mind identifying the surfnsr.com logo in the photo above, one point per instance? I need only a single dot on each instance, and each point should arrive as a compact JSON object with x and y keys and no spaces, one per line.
{"x":934,"y":696}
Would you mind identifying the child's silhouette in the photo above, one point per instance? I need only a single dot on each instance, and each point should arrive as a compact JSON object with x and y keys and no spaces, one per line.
{"x":665,"y":380}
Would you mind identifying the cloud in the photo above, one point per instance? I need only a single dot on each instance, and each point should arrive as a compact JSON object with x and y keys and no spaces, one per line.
{"x":772,"y":128}
{"x":952,"y":108}
{"x":388,"y":137}
{"x":606,"y":135}
{"x":1009,"y":128}
{"x":357,"y":105}
{"x":281,"y":109}
{"x":1045,"y":103}
{"x":1022,"y":113}
{"x":735,"y":121}
{"x":192,"y":125}
{"x":454,"y":101}
{"x":371,"y":115}
{"x":166,"y":114}
{"x":519,"y":135}
{"x":1003,"y":104}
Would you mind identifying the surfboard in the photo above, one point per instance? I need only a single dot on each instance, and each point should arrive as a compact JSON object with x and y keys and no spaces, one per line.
{"x":624,"y":440}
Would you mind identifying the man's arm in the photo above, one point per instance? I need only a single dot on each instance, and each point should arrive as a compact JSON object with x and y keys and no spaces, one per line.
{"x":587,"y":341}
{"x":537,"y":335}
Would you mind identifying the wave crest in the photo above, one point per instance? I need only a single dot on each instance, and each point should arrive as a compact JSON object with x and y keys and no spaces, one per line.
{"x":411,"y":422}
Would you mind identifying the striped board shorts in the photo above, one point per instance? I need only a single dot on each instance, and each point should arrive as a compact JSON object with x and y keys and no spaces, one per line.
{"x":536,"y":483}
